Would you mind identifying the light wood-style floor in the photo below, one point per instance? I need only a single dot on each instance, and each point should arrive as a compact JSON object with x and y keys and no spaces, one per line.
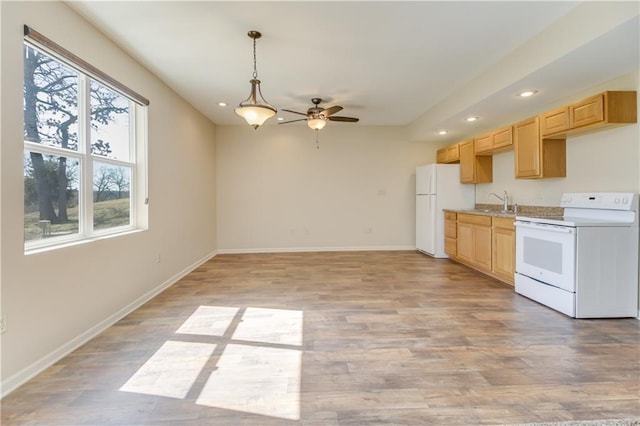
{"x":352,"y":338}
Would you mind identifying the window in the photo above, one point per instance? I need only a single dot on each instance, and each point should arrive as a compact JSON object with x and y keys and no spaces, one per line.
{"x":83,"y":151}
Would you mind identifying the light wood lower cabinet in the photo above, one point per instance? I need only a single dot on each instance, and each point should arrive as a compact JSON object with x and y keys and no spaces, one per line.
{"x":503,"y":260}
{"x":450,"y":234}
{"x":485,"y":243}
{"x":474,"y":240}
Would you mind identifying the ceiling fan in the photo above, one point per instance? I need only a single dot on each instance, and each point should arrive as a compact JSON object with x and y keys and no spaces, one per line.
{"x":317,"y":116}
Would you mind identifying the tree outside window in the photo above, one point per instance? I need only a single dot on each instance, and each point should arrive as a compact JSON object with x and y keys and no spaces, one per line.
{"x":79,"y":156}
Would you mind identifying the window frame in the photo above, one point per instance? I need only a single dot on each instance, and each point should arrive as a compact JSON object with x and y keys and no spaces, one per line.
{"x":137,"y":146}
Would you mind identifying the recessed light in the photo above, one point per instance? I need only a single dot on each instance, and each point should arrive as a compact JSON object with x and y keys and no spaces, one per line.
{"x":222,"y":104}
{"x":470,"y":119}
{"x":442,"y":132}
{"x":528,"y":93}
{"x":280,"y":118}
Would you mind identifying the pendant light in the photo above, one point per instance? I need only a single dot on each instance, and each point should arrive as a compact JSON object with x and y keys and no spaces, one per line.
{"x":253,"y":109}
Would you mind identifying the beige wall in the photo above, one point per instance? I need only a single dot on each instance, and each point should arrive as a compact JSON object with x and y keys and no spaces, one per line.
{"x":57,"y":299}
{"x":276,"y":191}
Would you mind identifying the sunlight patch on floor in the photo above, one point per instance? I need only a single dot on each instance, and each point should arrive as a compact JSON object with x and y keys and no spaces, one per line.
{"x":270,"y":326}
{"x":259,"y":362}
{"x":171,"y":371}
{"x":208,"y":321}
{"x":257,"y":380}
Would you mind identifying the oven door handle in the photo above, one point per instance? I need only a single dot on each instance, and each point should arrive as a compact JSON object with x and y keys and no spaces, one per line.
{"x":544,"y":227}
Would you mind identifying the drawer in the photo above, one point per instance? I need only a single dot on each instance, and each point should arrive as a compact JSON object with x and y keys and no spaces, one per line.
{"x":450,"y":215}
{"x":474,"y":219}
{"x":450,"y":229}
{"x":503,"y":222}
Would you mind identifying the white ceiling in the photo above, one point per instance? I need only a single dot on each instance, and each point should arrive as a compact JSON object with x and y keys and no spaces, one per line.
{"x":388,"y":63}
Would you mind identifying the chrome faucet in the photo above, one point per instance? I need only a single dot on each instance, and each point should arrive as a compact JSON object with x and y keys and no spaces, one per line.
{"x":504,"y":199}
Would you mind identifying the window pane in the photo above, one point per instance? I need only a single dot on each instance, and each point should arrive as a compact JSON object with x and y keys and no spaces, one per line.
{"x":50,"y":196}
{"x":109,"y":123}
{"x":111,"y":190}
{"x":50,"y":101}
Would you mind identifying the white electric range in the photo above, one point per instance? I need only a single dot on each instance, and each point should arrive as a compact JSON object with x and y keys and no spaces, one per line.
{"x":584,"y":263}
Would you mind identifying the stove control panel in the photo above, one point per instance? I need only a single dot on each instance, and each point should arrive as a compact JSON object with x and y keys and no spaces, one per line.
{"x":600,"y":200}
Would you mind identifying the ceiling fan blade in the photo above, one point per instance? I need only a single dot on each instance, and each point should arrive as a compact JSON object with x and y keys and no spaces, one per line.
{"x":295,"y":112}
{"x":346,"y":119}
{"x":331,"y":110}
{"x":293,"y":121}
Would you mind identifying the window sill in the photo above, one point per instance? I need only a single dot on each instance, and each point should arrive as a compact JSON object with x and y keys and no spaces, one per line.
{"x":62,"y":245}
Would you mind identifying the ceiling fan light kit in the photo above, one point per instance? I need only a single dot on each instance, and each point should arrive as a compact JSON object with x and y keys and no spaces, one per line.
{"x":317,"y":117}
{"x":317,"y":123}
{"x":255,"y":109}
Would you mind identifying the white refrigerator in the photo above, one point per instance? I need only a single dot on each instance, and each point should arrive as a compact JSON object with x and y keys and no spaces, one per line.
{"x":438,"y":187}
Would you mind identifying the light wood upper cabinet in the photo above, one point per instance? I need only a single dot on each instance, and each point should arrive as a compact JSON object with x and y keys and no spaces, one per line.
{"x":536,"y":157}
{"x":474,"y":168}
{"x":497,"y":140}
{"x":554,"y":121}
{"x":503,"y":138}
{"x":588,"y":111}
{"x":449,"y":154}
{"x":503,"y":248}
{"x":604,"y":110}
{"x":483,"y":143}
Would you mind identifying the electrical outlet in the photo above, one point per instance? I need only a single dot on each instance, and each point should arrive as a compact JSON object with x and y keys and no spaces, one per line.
{"x":3,"y":325}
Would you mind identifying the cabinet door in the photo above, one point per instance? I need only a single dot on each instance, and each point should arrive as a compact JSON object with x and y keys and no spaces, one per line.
{"x":465,"y":242}
{"x":554,"y":121}
{"x":482,"y":143}
{"x":450,"y":229}
{"x":503,"y":138}
{"x":528,"y":148}
{"x":482,"y":247}
{"x":450,"y":246}
{"x":504,"y":247}
{"x":588,"y":111}
{"x":441,"y":156}
{"x":467,"y":162}
{"x":453,"y":154}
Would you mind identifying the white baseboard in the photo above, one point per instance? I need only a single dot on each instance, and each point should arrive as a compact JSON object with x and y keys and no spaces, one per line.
{"x":314,"y":249}
{"x":29,"y":372}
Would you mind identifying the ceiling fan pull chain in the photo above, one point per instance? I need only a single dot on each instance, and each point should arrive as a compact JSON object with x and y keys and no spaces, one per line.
{"x":317,"y":143}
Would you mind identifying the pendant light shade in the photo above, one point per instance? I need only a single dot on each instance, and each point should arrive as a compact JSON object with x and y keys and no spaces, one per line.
{"x":255,"y":109}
